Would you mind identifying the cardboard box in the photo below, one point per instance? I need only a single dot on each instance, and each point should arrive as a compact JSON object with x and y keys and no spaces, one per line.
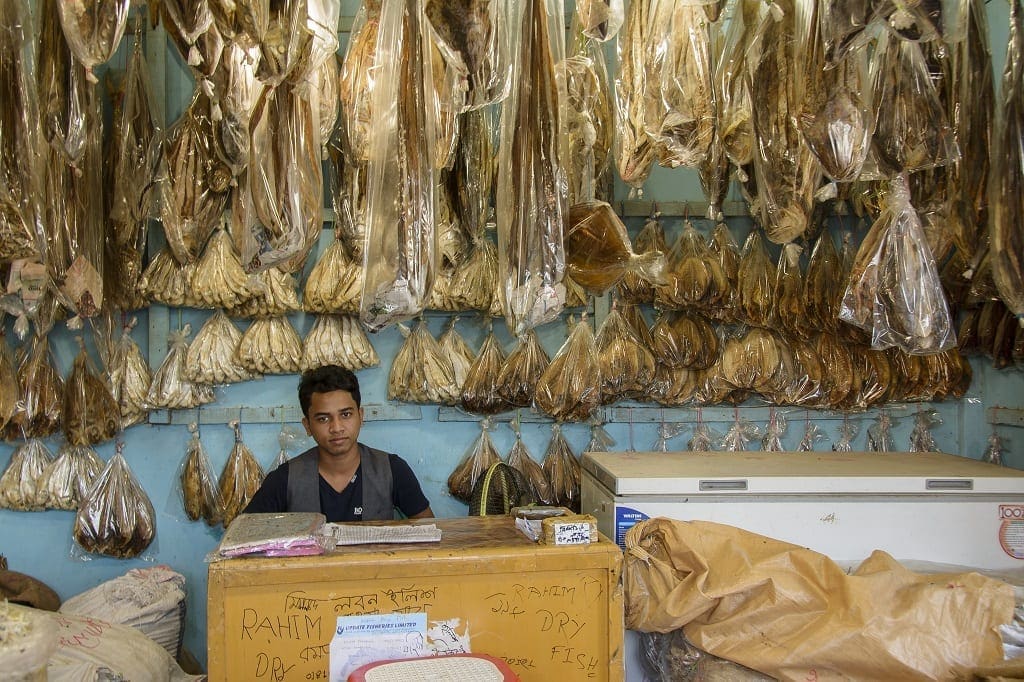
{"x":550,"y":612}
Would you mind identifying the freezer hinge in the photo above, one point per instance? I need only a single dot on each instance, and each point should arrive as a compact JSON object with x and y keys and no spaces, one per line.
{"x":949,"y":484}
{"x":713,"y":485}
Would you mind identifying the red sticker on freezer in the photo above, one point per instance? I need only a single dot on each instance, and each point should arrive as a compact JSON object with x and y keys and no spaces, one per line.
{"x":1011,"y":530}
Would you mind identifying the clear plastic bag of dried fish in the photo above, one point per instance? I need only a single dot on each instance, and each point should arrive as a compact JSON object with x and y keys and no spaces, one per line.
{"x":21,"y":483}
{"x":191,"y":29}
{"x":240,"y":478}
{"x":237,"y":89}
{"x":219,"y":280}
{"x":212,"y":356}
{"x":129,"y":378}
{"x":635,"y":151}
{"x":600,"y":19}
{"x":116,"y":517}
{"x":755,"y":279}
{"x":694,"y":277}
{"x":170,"y":389}
{"x":93,"y":30}
{"x":823,"y":285}
{"x":271,"y":293}
{"x":167,"y":281}
{"x":480,"y":391}
{"x":458,"y":352}
{"x":598,"y":251}
{"x":421,"y":372}
{"x":790,"y":312}
{"x":522,"y":370}
{"x":199,"y":492}
{"x":570,"y":387}
{"x":633,"y":287}
{"x":532,"y":182}
{"x":355,"y":92}
{"x":10,"y":392}
{"x":42,"y":393}
{"x":338,"y":340}
{"x":473,"y":38}
{"x":90,"y":414}
{"x":626,"y":365}
{"x":335,"y":283}
{"x":68,"y":478}
{"x":478,"y":459}
{"x":520,"y":459}
{"x":589,"y":125}
{"x":740,"y":433}
{"x":684,"y":340}
{"x":563,"y":471}
{"x":270,"y":345}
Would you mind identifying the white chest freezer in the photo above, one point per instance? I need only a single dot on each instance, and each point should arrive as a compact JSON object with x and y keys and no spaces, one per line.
{"x":916,"y":506}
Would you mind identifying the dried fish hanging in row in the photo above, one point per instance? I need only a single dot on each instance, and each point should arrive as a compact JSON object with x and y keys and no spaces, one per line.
{"x":240,"y":478}
{"x":129,"y":378}
{"x":211,"y":358}
{"x":523,"y":368}
{"x":421,"y":372}
{"x":562,"y":470}
{"x":236,"y":91}
{"x":270,"y":345}
{"x":271,"y":293}
{"x":694,"y":278}
{"x":68,"y":478}
{"x":481,"y":391}
{"x":458,"y":352}
{"x":90,"y":414}
{"x":481,"y":456}
{"x":635,"y":151}
{"x":219,"y":280}
{"x":532,"y":183}
{"x":338,"y":340}
{"x":20,"y":484}
{"x":355,"y":94}
{"x":625,"y":364}
{"x":335,"y":283}
{"x":167,"y":281}
{"x":94,"y":32}
{"x":41,"y":389}
{"x":199,"y":492}
{"x":633,"y":287}
{"x":520,"y":459}
{"x":600,"y":19}
{"x":570,"y":387}
{"x":170,"y":389}
{"x":474,"y":40}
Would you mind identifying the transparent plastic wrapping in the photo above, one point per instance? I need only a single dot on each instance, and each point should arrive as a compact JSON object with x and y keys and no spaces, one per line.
{"x":635,"y":151}
{"x":167,"y":281}
{"x":480,"y":457}
{"x":674,"y":386}
{"x":600,"y":439}
{"x":600,"y":19}
{"x":400,"y":259}
{"x":740,"y":433}
{"x":684,"y":340}
{"x":848,"y":430}
{"x":774,"y":431}
{"x":270,"y":346}
{"x":520,"y":459}
{"x":356,"y":79}
{"x":806,"y":384}
{"x":89,"y":413}
{"x":212,"y":356}
{"x":812,"y":435}
{"x":219,"y":280}
{"x":191,"y":29}
{"x":1007,"y":209}
{"x":240,"y":478}
{"x":680,"y":98}
{"x":723,"y":247}
{"x":921,"y":436}
{"x":633,"y":287}
{"x":115,"y":518}
{"x":129,"y":377}
{"x":790,"y":313}
{"x":237,"y":90}
{"x":626,"y":365}
{"x":475,"y":282}
{"x":20,"y":171}
{"x":732,"y":84}
{"x":823,"y":285}
{"x":666,"y":432}
{"x":752,"y":360}
{"x":598,"y":251}
{"x":704,"y":437}
{"x":590,"y":122}
{"x":200,"y":495}
{"x":458,"y":352}
{"x":271,"y":292}
{"x":288,"y":439}
{"x":68,"y":478}
{"x":857,"y":303}
{"x":285,"y":177}
{"x":694,"y":277}
{"x":474,"y":170}
{"x":93,"y":30}
{"x":994,"y":450}
{"x":169,"y":388}
{"x":474,"y":41}
{"x":563,"y":471}
{"x":522,"y":370}
{"x":21,"y":483}
{"x":421,"y":372}
{"x":754,"y":282}
{"x":880,"y":434}
{"x":570,"y":387}
{"x":42,"y":393}
{"x":480,"y":390}
{"x":338,"y":340}
{"x":335,"y":283}
{"x":532,"y":183}
{"x":714,"y":171}
{"x":10,"y":389}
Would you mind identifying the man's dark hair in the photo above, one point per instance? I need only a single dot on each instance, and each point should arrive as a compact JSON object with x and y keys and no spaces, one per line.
{"x":324,"y":380}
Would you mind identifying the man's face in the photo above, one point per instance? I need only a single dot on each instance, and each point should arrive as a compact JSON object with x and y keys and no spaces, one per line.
{"x":334,"y":421}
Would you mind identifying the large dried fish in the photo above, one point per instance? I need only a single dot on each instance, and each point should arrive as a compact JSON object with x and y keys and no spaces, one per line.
{"x":270,"y":346}
{"x":634,"y":287}
{"x":458,"y":352}
{"x":116,"y":518}
{"x":522,"y":370}
{"x":684,"y":340}
{"x":790,"y":312}
{"x":20,"y":488}
{"x":600,"y":19}
{"x":732,"y":85}
{"x":199,"y":491}
{"x":170,"y":389}
{"x":626,"y":365}
{"x":694,"y":277}
{"x":598,"y":251}
{"x":236,"y":90}
{"x":90,"y":414}
{"x":589,"y":120}
{"x":724,"y":247}
{"x":472,"y":37}
{"x":473,"y":171}
{"x":66,"y":480}
{"x":823,"y":285}
{"x":755,"y":280}
{"x":480,"y":390}
{"x":475,"y":282}
{"x":532,"y":185}
{"x":129,"y":378}
{"x":240,"y":478}
{"x":338,"y":340}
{"x":421,"y":372}
{"x":520,"y":459}
{"x":211,"y":357}
{"x":635,"y":151}
{"x":355,"y":91}
{"x":42,"y":393}
{"x":570,"y":387}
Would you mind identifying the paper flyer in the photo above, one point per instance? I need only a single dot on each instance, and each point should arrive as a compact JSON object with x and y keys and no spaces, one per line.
{"x":359,"y":640}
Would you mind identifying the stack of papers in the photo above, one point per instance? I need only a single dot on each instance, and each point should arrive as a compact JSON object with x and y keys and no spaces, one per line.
{"x":288,"y":534}
{"x":358,"y":534}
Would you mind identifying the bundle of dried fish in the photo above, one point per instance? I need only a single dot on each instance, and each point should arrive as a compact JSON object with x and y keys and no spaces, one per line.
{"x":912,"y":132}
{"x":285,"y":175}
{"x":476,"y":278}
{"x":116,"y":517}
{"x":625,"y":364}
{"x":20,"y":484}
{"x":421,"y":372}
{"x":1007,"y":244}
{"x":20,"y":206}
{"x":598,"y":252}
{"x":727,"y":251}
{"x":270,"y":346}
{"x":452,"y":239}
{"x":93,"y":30}
{"x":459,"y":354}
{"x":355,"y":91}
{"x":338,"y":340}
{"x":754,"y":283}
{"x":532,"y":185}
{"x":680,"y":116}
{"x":473,"y":38}
{"x":239,"y":479}
{"x":211,"y":356}
{"x":600,"y":19}
{"x":241,"y":23}
{"x":90,"y":414}
{"x":635,"y":151}
{"x":674,"y":386}
{"x":752,"y":360}
{"x":632,"y":313}
{"x":684,"y":340}
{"x":168,"y":281}
{"x":237,"y":90}
{"x":473,"y":170}
{"x":570,"y":387}
{"x":9,"y":388}
{"x":805,"y":385}
{"x":481,"y":456}
{"x":129,"y":377}
{"x":589,"y":119}
{"x":42,"y":393}
{"x":442,"y":296}
{"x":714,"y":172}
{"x":520,"y":459}
{"x":68,"y":478}
{"x":523,"y":368}
{"x":790,"y":313}
{"x":317,"y":26}
{"x":694,"y":278}
{"x":480,"y":391}
{"x":732,"y":84}
{"x":634,"y":287}
{"x":193,"y":183}
{"x":875,"y":376}
{"x":219,"y":280}
{"x":563,"y":471}
{"x":199,"y":493}
{"x":823,"y":285}
{"x":325,"y":81}
{"x":335,"y":283}
{"x":838,"y":378}
{"x":170,"y":389}
{"x":271,"y":292}
{"x":575,"y":296}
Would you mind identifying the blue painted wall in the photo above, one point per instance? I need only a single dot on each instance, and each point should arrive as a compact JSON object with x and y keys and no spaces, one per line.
{"x":40,"y":543}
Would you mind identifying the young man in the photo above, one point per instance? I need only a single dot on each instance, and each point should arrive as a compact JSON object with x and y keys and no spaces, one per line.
{"x":340,"y":477}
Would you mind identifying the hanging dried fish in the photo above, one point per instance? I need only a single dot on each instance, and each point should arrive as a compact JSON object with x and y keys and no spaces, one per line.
{"x":626,"y":365}
{"x":421,"y":372}
{"x":805,"y":386}
{"x":199,"y":492}
{"x":823,"y":285}
{"x":90,"y":414}
{"x":727,"y":251}
{"x":355,"y":91}
{"x":167,"y":281}
{"x":755,"y":283}
{"x":684,"y":340}
{"x":116,"y":517}
{"x":236,"y":90}
{"x":9,"y":387}
{"x":600,"y":19}
{"x":523,"y":368}
{"x":532,"y":185}
{"x":335,"y":283}
{"x":789,"y":313}
{"x":480,"y":390}
{"x":67,"y":479}
{"x":129,"y":378}
{"x":520,"y":459}
{"x":270,"y":346}
{"x":338,"y":340}
{"x":694,"y":277}
{"x":476,"y":280}
{"x":632,"y":313}
{"x":472,"y":37}
{"x":589,"y":123}
{"x":473,"y":171}
{"x":570,"y":387}
{"x":563,"y":471}
{"x":240,"y":478}
{"x":211,"y":356}
{"x":42,"y":393}
{"x":93,"y":30}
{"x":732,"y":85}
{"x":752,"y":360}
{"x":481,"y":456}
{"x":633,"y":287}
{"x":191,"y":28}
{"x":325,"y":81}
{"x":219,"y":280}
{"x":459,"y":354}
{"x":271,"y":292}
{"x":598,"y":250}
{"x":170,"y":389}
{"x":635,"y":151}
{"x":20,"y":484}
{"x":674,"y":386}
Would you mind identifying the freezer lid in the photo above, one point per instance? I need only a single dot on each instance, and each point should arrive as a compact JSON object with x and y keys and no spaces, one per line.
{"x":758,"y":472}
